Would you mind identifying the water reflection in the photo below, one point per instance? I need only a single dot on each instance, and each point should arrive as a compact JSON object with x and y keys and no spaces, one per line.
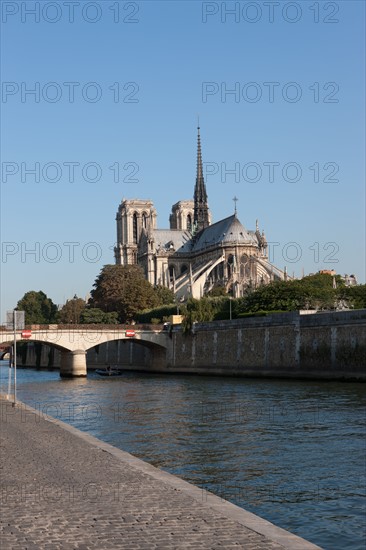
{"x":290,"y":451}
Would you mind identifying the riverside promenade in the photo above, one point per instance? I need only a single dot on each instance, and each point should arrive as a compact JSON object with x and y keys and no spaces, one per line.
{"x":64,"y":489}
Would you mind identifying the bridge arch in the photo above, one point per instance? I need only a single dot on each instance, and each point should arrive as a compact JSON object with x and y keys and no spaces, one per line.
{"x":72,"y":361}
{"x":74,"y":344}
{"x":129,"y":353}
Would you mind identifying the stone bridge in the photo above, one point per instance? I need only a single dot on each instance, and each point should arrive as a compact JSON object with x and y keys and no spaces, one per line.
{"x":74,"y":343}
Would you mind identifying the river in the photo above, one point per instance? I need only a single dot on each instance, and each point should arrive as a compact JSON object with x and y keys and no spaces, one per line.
{"x":292,"y":452}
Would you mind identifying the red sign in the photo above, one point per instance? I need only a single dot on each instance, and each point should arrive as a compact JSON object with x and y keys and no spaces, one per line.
{"x":26,"y":333}
{"x":130,"y":333}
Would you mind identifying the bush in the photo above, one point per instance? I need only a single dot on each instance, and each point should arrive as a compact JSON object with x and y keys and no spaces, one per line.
{"x":94,"y":315}
{"x":147,"y":315}
{"x":155,"y":321}
{"x":258,"y":313}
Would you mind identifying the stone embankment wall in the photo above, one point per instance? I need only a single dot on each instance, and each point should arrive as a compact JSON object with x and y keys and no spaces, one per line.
{"x":324,"y":346}
{"x":319,"y":346}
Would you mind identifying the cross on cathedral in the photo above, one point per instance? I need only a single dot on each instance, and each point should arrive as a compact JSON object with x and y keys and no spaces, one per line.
{"x":235,"y":199}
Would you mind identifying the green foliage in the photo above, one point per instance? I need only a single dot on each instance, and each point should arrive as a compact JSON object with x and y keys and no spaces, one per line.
{"x":209,"y":309}
{"x":111,"y":318}
{"x":39,"y":309}
{"x":218,"y":291}
{"x":199,"y":311}
{"x":155,"y":321}
{"x":312,"y":292}
{"x":223,"y":307}
{"x":164,"y":295}
{"x":162,"y":312}
{"x":123,"y":289}
{"x":70,"y":313}
{"x":275,"y":296}
{"x":257,"y":314}
{"x":355,"y":296}
{"x":95,"y":316}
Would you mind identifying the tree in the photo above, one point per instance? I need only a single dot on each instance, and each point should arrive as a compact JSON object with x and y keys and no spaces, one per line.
{"x":71,"y":311}
{"x":354,"y":296}
{"x":94,"y":315}
{"x":311,"y":292}
{"x":164,"y":295}
{"x":123,"y":289}
{"x":218,"y":290}
{"x":197,"y":311}
{"x":39,"y":309}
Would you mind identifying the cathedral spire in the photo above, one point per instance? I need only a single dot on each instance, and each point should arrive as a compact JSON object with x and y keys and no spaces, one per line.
{"x":201,"y":213}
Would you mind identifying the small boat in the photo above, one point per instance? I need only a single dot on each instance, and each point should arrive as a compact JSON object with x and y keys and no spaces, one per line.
{"x":109,"y":372}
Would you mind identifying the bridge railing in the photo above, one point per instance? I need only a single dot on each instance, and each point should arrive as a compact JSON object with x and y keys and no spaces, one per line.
{"x":85,"y":327}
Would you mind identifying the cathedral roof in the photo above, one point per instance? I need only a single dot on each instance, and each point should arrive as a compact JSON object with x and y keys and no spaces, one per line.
{"x":226,"y":231}
{"x":171,"y":239}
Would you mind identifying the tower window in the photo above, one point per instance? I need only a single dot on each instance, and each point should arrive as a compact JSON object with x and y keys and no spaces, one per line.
{"x":134,"y":223}
{"x":189,"y":222}
{"x":171,"y":272}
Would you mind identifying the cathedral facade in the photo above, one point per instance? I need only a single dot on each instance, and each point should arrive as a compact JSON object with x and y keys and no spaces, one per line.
{"x":194,"y":255}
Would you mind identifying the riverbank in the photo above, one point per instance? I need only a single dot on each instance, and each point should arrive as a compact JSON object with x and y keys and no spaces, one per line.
{"x":62,"y":488}
{"x":324,"y":346}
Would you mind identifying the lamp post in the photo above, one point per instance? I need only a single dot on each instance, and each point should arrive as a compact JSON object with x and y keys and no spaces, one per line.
{"x":14,"y":320}
{"x":15,"y":357}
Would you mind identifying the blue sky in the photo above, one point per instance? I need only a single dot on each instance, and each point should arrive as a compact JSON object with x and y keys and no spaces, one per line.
{"x":292,"y":129}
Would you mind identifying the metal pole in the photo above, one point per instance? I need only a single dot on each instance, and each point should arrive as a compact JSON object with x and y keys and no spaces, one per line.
{"x":9,"y":372}
{"x":15,"y":357}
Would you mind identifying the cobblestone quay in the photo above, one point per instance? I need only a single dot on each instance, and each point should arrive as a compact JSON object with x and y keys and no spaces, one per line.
{"x":64,"y":489}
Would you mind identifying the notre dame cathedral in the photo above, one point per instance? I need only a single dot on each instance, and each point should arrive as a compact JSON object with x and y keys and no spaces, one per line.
{"x":194,"y":255}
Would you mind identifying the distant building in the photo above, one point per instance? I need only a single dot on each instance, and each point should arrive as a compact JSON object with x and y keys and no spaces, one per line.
{"x":349,"y":280}
{"x":328,"y":272}
{"x":193,"y":256}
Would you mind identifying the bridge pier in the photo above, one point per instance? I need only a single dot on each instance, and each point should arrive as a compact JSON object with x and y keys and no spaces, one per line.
{"x":73,"y":364}
{"x":158,"y":358}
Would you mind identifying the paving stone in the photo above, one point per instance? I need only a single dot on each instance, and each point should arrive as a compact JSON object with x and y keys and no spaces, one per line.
{"x":61,"y":489}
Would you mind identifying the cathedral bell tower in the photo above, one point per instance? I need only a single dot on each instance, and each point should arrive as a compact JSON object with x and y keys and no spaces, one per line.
{"x":134,"y":216}
{"x":201,"y":217}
